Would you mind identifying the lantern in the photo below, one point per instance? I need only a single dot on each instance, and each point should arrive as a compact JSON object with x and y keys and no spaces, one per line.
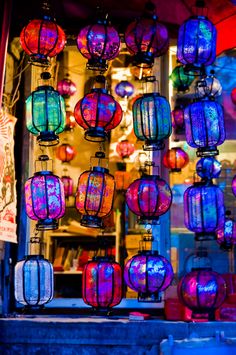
{"x":70,"y":121}
{"x":226,"y":236}
{"x":102,"y":283}
{"x":68,"y":185}
{"x":149,"y":197}
{"x":45,"y":114}
{"x":234,"y":185}
{"x":146,"y":38}
{"x":44,"y":197}
{"x":203,"y":291}
{"x":196,"y":45}
{"x":94,"y":195}
{"x":124,"y":89}
{"x":148,"y":273}
{"x":204,"y":209}
{"x":124,"y":148}
{"x":33,"y":282}
{"x":66,"y":87}
{"x":99,"y":43}
{"x":175,"y":159}
{"x":65,"y":152}
{"x":98,"y":113}
{"x":178,"y":119}
{"x":180,"y":80}
{"x":208,"y":168}
{"x":204,"y":126}
{"x":152,"y":120}
{"x":233,"y":96}
{"x":209,"y":86}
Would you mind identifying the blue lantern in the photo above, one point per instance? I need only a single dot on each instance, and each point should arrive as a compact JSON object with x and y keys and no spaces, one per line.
{"x":124,"y":89}
{"x":208,"y":168}
{"x":204,"y":126}
{"x":204,"y":209}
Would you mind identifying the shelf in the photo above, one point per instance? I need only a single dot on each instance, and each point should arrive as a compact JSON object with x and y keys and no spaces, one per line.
{"x":69,"y":272}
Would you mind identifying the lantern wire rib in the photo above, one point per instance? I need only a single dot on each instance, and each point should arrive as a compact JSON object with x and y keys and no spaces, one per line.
{"x":31,"y":189}
{"x":88,"y":44}
{"x":146,"y":273}
{"x":97,"y":283}
{"x":101,"y":195}
{"x":39,"y":282}
{"x":105,"y":41}
{"x":51,"y":281}
{"x":39,"y":36}
{"x":56,"y":39}
{"x":46,"y":109}
{"x":216,"y":292}
{"x":205,"y":130}
{"x":87,"y":193}
{"x":32,"y":109}
{"x":198,"y":291}
{"x":23,"y":277}
{"x":82,"y":113}
{"x":112,"y":290}
{"x":61,"y":202}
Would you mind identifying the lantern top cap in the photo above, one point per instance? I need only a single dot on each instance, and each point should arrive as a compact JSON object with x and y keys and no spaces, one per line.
{"x":43,"y":157}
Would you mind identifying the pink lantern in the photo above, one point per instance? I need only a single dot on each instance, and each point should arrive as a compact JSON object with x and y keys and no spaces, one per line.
{"x":125,"y":148}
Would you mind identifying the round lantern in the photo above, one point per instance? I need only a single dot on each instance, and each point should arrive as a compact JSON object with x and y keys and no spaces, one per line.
{"x":180,"y":80}
{"x":41,"y":39}
{"x":65,"y":152}
{"x":226,"y":235}
{"x":68,"y":185}
{"x":175,"y":159}
{"x":178,"y":119}
{"x":204,"y":126}
{"x":94,"y":195}
{"x":146,"y":38}
{"x":149,"y":197}
{"x":45,"y":114}
{"x":124,"y":148}
{"x":152,"y":120}
{"x":98,"y":113}
{"x":66,"y":87}
{"x":102,"y":283}
{"x":233,"y":96}
{"x":208,"y":168}
{"x":44,"y":198}
{"x":148,"y":273}
{"x":204,"y":209}
{"x":209,"y":86}
{"x":98,"y":43}
{"x":203,"y":291}
{"x":124,"y":89}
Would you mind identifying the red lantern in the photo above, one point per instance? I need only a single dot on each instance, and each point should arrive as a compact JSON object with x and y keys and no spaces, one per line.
{"x":125,"y":148}
{"x":175,"y":159}
{"x":66,"y":87}
{"x":233,"y":96}
{"x":70,"y":121}
{"x":68,"y":185}
{"x":65,"y":153}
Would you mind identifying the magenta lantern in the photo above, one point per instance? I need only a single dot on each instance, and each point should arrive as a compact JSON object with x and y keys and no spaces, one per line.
{"x":124,"y":89}
{"x":234,"y":185}
{"x":233,"y":96}
{"x":66,"y":87}
{"x":102,"y":283}
{"x":68,"y":185}
{"x":125,"y":148}
{"x":44,"y":197}
{"x":226,"y":235}
{"x":148,"y":273}
{"x":203,"y":291}
{"x":175,"y":159}
{"x":178,"y":119}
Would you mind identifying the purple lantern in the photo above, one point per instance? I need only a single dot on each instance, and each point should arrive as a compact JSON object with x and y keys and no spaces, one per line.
{"x":178,"y":119}
{"x":202,"y":290}
{"x":148,"y":273}
{"x":44,"y":198}
{"x":226,"y":236}
{"x":124,"y":89}
{"x":66,"y":87}
{"x":234,"y":185}
{"x":208,"y":168}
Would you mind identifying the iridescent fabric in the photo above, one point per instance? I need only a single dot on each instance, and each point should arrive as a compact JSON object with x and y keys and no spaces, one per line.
{"x":180,"y":80}
{"x":66,"y":87}
{"x":124,"y":89}
{"x":208,"y":168}
{"x":175,"y":159}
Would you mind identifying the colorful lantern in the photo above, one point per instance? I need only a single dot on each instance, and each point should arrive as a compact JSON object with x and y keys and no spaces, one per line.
{"x":98,"y":113}
{"x":226,"y":236}
{"x":204,"y":126}
{"x":124,"y":89}
{"x":196,"y":44}
{"x":146,"y":38}
{"x":209,"y":86}
{"x":44,"y":197}
{"x":95,"y":194}
{"x":45,"y":114}
{"x":234,"y":185}
{"x":203,"y":291}
{"x":68,"y":185}
{"x":102,"y":283}
{"x":204,"y":209}
{"x":124,"y":148}
{"x":152,"y":120}
{"x":233,"y":96}
{"x":99,"y":43}
{"x":208,"y":168}
{"x":65,"y":152}
{"x":66,"y":87}
{"x":180,"y":80}
{"x":178,"y":119}
{"x":175,"y":159}
{"x":148,"y":273}
{"x":149,"y":197}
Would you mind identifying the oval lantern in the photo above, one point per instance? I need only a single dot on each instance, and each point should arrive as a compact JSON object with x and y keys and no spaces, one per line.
{"x":102,"y":283}
{"x":180,"y":80}
{"x":204,"y":209}
{"x":124,"y":89}
{"x":148,"y":273}
{"x":124,"y":148}
{"x":66,"y":87}
{"x":226,"y":235}
{"x":203,"y":291}
{"x":65,"y":152}
{"x":208,"y":168}
{"x":234,"y":185}
{"x":175,"y":159}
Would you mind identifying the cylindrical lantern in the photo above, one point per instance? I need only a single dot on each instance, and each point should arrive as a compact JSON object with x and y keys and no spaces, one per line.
{"x":203,"y":291}
{"x":65,"y":152}
{"x":152,"y":120}
{"x":99,"y":43}
{"x":146,"y":38}
{"x":209,"y":86}
{"x":44,"y":198}
{"x":178,"y":119}
{"x":45,"y":114}
{"x":98,"y":113}
{"x":204,"y":126}
{"x":66,"y":87}
{"x":180,"y":80}
{"x":208,"y":168}
{"x":68,"y":185}
{"x":233,"y":96}
{"x":124,"y":148}
{"x":94,"y":195}
{"x":204,"y":209}
{"x":226,"y":235}
{"x":124,"y":89}
{"x":149,"y":197}
{"x":148,"y":273}
{"x":175,"y":159}
{"x":102,"y":283}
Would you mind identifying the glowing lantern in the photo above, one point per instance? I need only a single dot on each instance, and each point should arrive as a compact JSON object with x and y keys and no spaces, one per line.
{"x":175,"y":159}
{"x":234,"y":185}
{"x":66,"y":87}
{"x":124,"y":89}
{"x":209,"y":86}
{"x":68,"y":184}
{"x":65,"y":152}
{"x":226,"y":236}
{"x":208,"y":168}
{"x":178,"y":119}
{"x":124,"y":148}
{"x":180,"y":80}
{"x":70,"y":121}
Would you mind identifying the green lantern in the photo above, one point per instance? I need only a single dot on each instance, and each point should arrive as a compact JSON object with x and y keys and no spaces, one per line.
{"x":180,"y":80}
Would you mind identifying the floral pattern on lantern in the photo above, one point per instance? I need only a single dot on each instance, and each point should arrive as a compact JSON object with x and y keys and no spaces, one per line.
{"x":208,"y":168}
{"x":226,"y":236}
{"x":204,"y":209}
{"x":204,"y":126}
{"x":203,"y":291}
{"x":152,"y":120}
{"x":102,"y":283}
{"x":148,"y":273}
{"x":66,"y":87}
{"x":175,"y":159}
{"x":65,"y":152}
{"x":124,"y":89}
{"x":149,"y":197}
{"x":124,"y":148}
{"x":180,"y":80}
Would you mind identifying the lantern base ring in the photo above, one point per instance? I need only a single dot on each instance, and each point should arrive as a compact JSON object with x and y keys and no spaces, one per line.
{"x":97,"y":64}
{"x":153,"y":145}
{"x":95,"y":134}
{"x":91,"y":221}
{"x":47,"y":224}
{"x":39,"y":60}
{"x":149,"y":297}
{"x":48,"y":139}
{"x":204,"y":236}
{"x":208,"y":314}
{"x":143,"y":60}
{"x":153,"y":220}
{"x":207,"y":152}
